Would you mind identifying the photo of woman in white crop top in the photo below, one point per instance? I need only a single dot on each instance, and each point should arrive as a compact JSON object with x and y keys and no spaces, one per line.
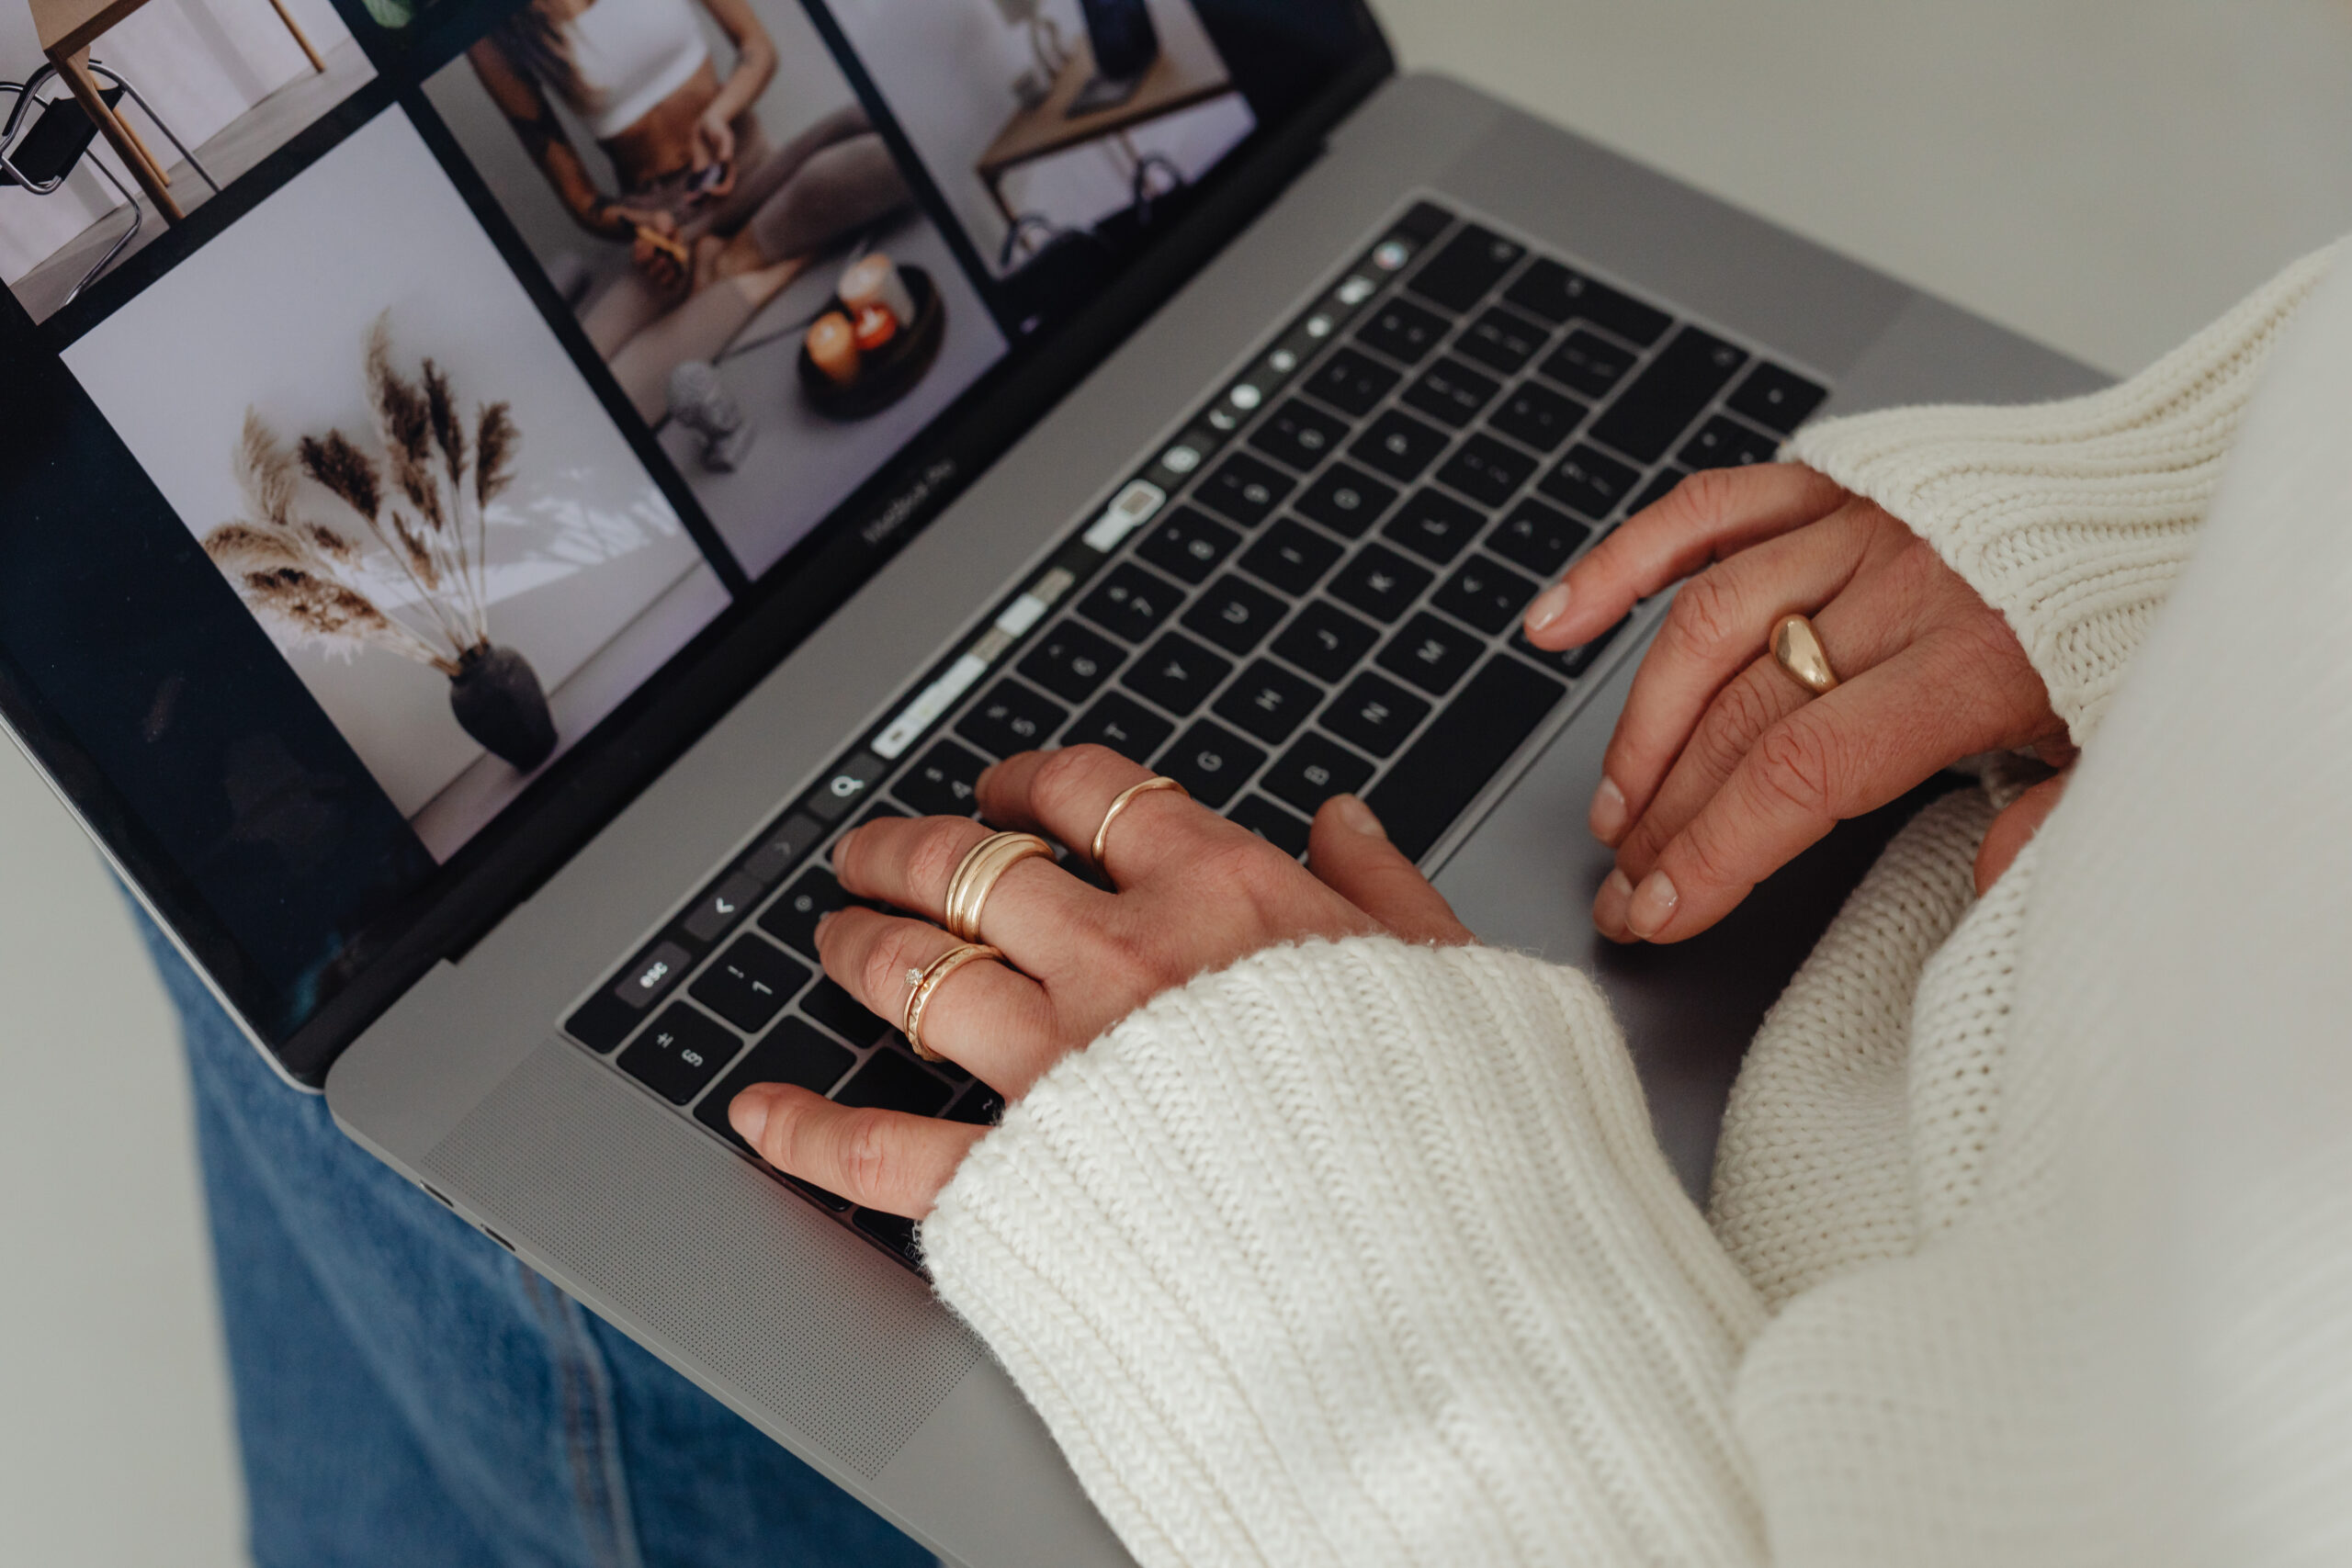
{"x":719,"y":219}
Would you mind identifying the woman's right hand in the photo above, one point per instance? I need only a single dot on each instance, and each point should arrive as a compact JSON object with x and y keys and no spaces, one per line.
{"x":1723,"y":768}
{"x":661,"y":265}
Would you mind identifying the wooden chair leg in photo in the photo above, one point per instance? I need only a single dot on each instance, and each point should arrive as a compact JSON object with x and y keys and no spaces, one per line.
{"x":153,"y":163}
{"x":288,"y":17}
{"x":76,"y":72}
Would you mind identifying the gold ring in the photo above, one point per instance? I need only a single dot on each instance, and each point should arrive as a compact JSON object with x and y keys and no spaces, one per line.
{"x":1796,"y":647}
{"x":929,"y":980}
{"x":975,"y":878}
{"x":1120,"y":802}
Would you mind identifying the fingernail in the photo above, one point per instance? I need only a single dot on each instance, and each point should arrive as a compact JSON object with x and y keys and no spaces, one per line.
{"x":749,"y":1114}
{"x":1356,"y":816}
{"x":1607,"y":817}
{"x":1549,"y":606}
{"x":1609,"y":903}
{"x":1653,"y":904}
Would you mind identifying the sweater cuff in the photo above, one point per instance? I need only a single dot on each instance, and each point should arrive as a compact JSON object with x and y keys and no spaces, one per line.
{"x":2071,"y":518}
{"x":1362,"y":1253}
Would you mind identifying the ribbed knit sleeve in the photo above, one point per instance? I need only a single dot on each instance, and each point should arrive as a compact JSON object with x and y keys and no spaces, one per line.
{"x":1363,"y":1254}
{"x":2071,"y":518}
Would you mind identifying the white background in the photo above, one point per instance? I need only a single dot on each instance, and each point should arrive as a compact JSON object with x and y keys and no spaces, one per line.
{"x":2105,"y":174}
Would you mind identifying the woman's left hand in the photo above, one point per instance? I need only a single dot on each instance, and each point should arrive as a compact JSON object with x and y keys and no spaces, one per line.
{"x":715,"y":147}
{"x":1194,"y":893}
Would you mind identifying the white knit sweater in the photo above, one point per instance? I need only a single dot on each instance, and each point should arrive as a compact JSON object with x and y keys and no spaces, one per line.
{"x":2031,"y":1236}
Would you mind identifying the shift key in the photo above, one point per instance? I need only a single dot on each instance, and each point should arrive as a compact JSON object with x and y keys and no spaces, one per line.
{"x":1671,"y":392}
{"x":1464,"y":748}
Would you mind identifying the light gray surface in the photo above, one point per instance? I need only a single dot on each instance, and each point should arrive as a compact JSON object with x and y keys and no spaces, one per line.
{"x":2104,"y":175}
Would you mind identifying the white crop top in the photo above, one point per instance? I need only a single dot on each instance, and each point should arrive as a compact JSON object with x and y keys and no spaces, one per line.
{"x":629,"y":55}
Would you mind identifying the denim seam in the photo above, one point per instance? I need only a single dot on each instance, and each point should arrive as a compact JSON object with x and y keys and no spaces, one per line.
{"x":591,"y":1428}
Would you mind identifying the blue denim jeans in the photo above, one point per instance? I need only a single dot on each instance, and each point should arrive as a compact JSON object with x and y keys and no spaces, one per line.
{"x":408,"y":1394}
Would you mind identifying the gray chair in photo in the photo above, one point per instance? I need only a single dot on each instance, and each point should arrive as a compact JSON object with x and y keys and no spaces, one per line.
{"x":44,"y":140}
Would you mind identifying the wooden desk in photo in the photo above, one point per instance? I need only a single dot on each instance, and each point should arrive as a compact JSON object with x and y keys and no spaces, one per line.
{"x":1179,"y":79}
{"x":68,"y":29}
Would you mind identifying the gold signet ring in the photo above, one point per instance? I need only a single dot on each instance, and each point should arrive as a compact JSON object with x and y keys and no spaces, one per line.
{"x":1120,"y":802}
{"x":1796,"y":647}
{"x":977,"y":875}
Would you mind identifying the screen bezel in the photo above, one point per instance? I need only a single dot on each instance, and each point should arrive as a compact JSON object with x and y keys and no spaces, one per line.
{"x":560,"y":812}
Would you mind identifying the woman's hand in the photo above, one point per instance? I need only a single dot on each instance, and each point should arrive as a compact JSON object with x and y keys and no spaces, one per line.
{"x":656,"y":248}
{"x":714,"y":149}
{"x":1195,"y":891}
{"x":1723,"y":768}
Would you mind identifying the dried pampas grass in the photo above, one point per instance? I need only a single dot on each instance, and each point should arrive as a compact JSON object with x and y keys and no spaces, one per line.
{"x":421,"y":496}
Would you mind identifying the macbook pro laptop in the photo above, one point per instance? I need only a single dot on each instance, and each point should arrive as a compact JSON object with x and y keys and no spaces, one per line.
{"x":466,"y":582}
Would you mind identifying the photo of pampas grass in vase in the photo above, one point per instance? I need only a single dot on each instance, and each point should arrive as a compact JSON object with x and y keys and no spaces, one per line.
{"x":409,"y":577}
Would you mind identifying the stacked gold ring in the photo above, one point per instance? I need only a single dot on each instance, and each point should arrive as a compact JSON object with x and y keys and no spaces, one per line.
{"x":928,"y":981}
{"x":976,"y":875}
{"x":1119,"y":804}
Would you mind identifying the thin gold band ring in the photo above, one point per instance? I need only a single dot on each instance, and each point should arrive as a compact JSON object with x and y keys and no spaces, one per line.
{"x":1120,"y":802}
{"x":928,"y":982}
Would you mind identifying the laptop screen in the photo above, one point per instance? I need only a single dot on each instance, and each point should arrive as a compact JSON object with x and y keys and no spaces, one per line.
{"x":491,"y":392}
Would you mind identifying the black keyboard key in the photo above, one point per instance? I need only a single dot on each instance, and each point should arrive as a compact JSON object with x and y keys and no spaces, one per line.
{"x":1299,"y":434}
{"x":1668,"y":395}
{"x":1502,"y":340}
{"x":1346,"y":500}
{"x":1589,"y":364}
{"x":1072,"y":662}
{"x":1403,"y":331}
{"x":1435,"y":526}
{"x":890,"y":1081}
{"x":678,"y":1053}
{"x":1131,"y":601}
{"x":793,"y":1053}
{"x":1431,"y":653}
{"x":876,"y":812}
{"x":792,"y":919}
{"x":1429,"y":785}
{"x":1315,"y":770}
{"x":1661,"y":485}
{"x":1234,"y":614}
{"x":1121,"y":723}
{"x":720,"y":908}
{"x":750,"y":983}
{"x":1269,"y":702}
{"x":1178,"y":673}
{"x":1451,"y":393}
{"x":1539,"y":417}
{"x":1188,"y":544}
{"x":1400,"y":446}
{"x":1212,"y":761}
{"x":1538,"y":537}
{"x":1381,"y":584}
{"x":1590,"y":481}
{"x":607,"y":1018}
{"x":1473,"y":262}
{"x":1424,"y":221}
{"x":1724,"y":443}
{"x":834,"y":1008}
{"x":1375,"y":714}
{"x":1292,"y":556}
{"x":1486,"y":471}
{"x":1571,"y":661}
{"x":1325,"y":640}
{"x":1552,"y":292}
{"x":944,"y":784}
{"x":1776,"y":399}
{"x":1271,"y":823}
{"x":1011,"y":718}
{"x":895,"y":1232}
{"x":1244,"y":489}
{"x":1352,"y":382}
{"x":1486,"y":593}
{"x":831,"y":1202}
{"x":980,"y":1107}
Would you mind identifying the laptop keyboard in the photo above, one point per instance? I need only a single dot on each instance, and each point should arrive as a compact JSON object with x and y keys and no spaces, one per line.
{"x":1315,"y":588}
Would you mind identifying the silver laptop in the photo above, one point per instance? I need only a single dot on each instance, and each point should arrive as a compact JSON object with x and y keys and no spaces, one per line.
{"x":468,"y":632}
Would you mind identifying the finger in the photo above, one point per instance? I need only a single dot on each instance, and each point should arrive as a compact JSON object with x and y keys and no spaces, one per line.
{"x":1711,"y":514}
{"x":1066,"y":795}
{"x":908,"y":861}
{"x":1717,"y":624}
{"x":878,"y":1159}
{"x":1350,"y":852}
{"x":988,"y":1017}
{"x":2014,"y":829}
{"x":1837,"y":756}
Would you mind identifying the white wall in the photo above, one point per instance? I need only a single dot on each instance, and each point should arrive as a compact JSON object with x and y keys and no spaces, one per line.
{"x":200,"y":63}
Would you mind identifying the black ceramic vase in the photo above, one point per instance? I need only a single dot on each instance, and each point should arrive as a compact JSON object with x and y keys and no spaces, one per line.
{"x":495,"y":694}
